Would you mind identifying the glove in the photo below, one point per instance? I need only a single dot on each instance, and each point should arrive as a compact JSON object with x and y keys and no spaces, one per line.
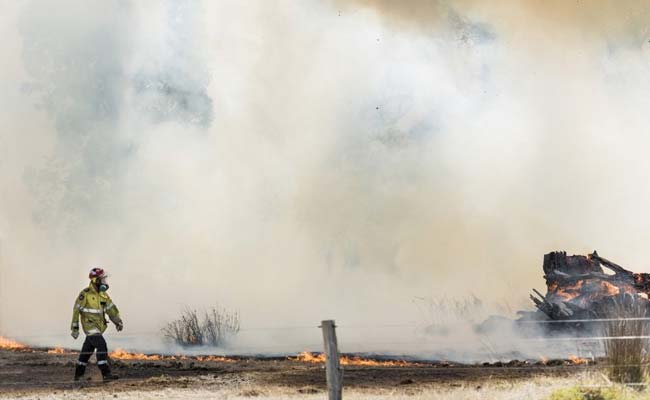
{"x":74,"y":334}
{"x":119,"y":326}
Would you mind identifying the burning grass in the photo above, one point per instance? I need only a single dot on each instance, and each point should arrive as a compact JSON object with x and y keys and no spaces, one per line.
{"x":575,"y":360}
{"x":121,"y":354}
{"x":57,"y":350}
{"x":352,"y":360}
{"x":9,"y":344}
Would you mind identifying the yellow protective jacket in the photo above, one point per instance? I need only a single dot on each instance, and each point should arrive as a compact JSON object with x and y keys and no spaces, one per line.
{"x":91,"y":305}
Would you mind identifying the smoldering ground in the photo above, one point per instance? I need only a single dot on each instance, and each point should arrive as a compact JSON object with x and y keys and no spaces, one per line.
{"x":307,"y":160}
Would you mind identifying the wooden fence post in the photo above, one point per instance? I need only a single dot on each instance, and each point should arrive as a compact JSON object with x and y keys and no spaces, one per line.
{"x":333,"y":366}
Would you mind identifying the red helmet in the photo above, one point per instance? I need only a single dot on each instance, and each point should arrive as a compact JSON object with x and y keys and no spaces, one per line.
{"x":96,"y":273}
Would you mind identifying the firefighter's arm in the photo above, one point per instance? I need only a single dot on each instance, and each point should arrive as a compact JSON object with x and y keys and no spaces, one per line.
{"x":114,"y":314}
{"x":74,"y":326}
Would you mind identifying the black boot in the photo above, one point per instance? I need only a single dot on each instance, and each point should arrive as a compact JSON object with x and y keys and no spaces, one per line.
{"x":79,"y":372}
{"x":106,"y":373}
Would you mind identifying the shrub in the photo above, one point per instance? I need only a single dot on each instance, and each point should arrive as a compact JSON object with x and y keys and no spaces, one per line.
{"x":216,"y":328}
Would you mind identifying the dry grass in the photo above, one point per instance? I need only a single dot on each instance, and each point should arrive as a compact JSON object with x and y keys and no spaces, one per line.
{"x":217,"y":326}
{"x":534,"y":389}
{"x":628,"y":358}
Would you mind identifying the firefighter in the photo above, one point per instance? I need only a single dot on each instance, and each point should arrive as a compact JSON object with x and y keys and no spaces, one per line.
{"x":92,"y":303}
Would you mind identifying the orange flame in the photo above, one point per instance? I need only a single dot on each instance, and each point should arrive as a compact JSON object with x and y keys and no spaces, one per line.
{"x":609,"y":289}
{"x":306,"y":356}
{"x":575,"y":360}
{"x":588,"y":289}
{"x":569,"y":292}
{"x":56,"y":350}
{"x":354,"y":360}
{"x":8,"y":344}
{"x":121,"y":354}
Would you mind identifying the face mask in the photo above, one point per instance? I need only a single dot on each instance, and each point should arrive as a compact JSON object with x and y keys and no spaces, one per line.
{"x":103,"y":285}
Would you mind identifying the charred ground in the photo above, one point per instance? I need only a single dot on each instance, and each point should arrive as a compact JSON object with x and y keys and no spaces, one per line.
{"x":37,"y":370}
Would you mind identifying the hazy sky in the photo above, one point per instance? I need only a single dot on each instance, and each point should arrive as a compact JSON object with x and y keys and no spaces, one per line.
{"x":302,"y":160}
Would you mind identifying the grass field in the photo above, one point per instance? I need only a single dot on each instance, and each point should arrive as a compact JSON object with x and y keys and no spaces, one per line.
{"x":539,"y":388}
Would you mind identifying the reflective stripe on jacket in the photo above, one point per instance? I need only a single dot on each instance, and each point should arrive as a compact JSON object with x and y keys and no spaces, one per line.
{"x":91,"y":306}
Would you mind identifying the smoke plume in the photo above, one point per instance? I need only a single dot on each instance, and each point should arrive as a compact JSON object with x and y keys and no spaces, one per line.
{"x":298,"y":161}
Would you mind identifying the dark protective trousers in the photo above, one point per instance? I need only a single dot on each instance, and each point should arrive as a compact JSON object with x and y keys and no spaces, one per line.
{"x":92,"y":343}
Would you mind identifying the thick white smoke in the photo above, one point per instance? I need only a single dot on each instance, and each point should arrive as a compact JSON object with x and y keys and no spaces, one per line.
{"x":308,"y":160}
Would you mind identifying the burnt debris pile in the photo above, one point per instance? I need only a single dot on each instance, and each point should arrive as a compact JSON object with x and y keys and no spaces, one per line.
{"x":582,"y":294}
{"x":584,"y":287}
